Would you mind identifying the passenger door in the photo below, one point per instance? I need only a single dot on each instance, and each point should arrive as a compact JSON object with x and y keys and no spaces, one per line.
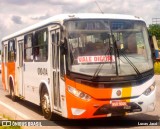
{"x":5,"y":65}
{"x":55,"y":39}
{"x":20,"y":67}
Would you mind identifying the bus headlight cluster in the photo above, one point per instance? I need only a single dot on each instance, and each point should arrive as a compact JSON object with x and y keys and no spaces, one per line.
{"x":149,"y":90}
{"x":78,"y":93}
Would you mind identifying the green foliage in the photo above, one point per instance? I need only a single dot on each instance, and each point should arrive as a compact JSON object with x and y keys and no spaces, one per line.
{"x":159,"y":44}
{"x":155,"y":30}
{"x":10,"y":127}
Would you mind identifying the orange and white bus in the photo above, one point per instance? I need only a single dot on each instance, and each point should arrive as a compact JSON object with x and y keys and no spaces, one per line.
{"x":81,"y":66}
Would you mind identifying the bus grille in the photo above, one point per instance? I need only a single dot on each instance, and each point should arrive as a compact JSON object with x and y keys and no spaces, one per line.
{"x":107,"y":109}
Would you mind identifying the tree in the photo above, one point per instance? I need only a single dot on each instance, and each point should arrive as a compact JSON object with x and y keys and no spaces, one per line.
{"x":155,"y":30}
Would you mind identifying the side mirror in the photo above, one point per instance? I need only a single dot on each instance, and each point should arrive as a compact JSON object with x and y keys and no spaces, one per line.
{"x":63,"y":46}
{"x":152,"y":46}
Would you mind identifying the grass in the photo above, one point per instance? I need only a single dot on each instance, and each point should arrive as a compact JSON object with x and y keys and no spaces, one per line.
{"x":6,"y":117}
{"x":157,"y":68}
{"x":8,"y":127}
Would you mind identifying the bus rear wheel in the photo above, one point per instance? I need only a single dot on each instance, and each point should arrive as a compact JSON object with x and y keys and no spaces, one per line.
{"x":45,"y":104}
{"x":11,"y":92}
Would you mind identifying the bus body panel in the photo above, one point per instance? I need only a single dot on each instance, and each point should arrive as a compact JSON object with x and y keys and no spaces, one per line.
{"x":33,"y":75}
{"x":63,"y":98}
{"x":3,"y":76}
{"x":145,"y":103}
{"x":9,"y":75}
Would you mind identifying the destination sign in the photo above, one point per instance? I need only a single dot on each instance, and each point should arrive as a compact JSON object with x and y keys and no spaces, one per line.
{"x":101,"y":58}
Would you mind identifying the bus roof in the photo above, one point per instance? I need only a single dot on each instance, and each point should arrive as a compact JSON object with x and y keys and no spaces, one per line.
{"x":61,"y":17}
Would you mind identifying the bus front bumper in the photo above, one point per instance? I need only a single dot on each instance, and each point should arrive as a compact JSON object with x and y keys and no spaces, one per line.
{"x":80,"y":109}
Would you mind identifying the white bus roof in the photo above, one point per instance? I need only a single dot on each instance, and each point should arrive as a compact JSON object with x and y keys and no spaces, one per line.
{"x":61,"y":17}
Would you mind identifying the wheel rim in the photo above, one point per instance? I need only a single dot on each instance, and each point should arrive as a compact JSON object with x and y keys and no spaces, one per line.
{"x":46,"y":104}
{"x":12,"y":93}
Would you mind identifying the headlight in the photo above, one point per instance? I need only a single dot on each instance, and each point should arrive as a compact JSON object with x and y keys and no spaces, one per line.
{"x":78,"y":93}
{"x":149,"y":90}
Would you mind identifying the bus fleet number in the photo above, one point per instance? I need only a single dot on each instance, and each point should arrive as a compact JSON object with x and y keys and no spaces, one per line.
{"x":42,"y":71}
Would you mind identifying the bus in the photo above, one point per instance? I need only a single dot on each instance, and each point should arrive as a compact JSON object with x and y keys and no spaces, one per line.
{"x":81,"y":66}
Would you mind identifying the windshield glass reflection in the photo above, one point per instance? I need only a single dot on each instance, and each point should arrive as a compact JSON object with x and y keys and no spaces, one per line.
{"x":90,"y":44}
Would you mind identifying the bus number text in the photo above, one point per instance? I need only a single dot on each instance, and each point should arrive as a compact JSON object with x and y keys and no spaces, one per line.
{"x":42,"y":71}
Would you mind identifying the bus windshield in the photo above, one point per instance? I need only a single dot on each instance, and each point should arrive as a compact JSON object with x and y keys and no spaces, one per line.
{"x":91,"y":47}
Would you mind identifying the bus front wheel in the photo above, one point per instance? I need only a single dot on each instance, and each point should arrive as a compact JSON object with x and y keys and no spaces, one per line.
{"x":45,"y":104}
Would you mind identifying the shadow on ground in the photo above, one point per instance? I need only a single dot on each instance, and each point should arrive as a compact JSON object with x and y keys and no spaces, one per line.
{"x":115,"y":121}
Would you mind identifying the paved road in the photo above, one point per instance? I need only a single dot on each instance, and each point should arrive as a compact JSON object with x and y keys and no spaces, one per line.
{"x":23,"y":110}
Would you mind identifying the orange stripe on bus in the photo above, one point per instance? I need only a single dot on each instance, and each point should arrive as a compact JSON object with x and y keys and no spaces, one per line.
{"x":10,"y":66}
{"x":97,"y":93}
{"x":3,"y":76}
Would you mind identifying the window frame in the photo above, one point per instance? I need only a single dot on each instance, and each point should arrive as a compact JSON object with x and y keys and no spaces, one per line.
{"x":30,"y":47}
{"x":37,"y":45}
{"x":10,"y":51}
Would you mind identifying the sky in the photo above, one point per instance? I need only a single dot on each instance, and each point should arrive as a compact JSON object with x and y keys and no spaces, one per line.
{"x":18,"y":14}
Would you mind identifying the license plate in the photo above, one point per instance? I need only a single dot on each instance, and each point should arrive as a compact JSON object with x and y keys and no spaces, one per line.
{"x":118,"y":103}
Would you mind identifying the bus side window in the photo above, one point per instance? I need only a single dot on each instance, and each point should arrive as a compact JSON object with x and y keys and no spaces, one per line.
{"x":41,"y":45}
{"x":2,"y":53}
{"x":11,"y":50}
{"x":28,"y":47}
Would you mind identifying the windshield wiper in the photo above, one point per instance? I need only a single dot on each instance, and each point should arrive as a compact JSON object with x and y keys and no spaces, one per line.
{"x":109,"y":50}
{"x":120,"y":52}
{"x":130,"y":62}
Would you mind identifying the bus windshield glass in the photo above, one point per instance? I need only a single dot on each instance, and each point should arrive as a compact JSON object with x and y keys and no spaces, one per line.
{"x":91,"y":47}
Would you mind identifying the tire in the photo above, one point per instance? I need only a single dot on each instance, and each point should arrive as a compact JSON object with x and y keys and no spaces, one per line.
{"x":12,"y":94}
{"x":45,"y":104}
